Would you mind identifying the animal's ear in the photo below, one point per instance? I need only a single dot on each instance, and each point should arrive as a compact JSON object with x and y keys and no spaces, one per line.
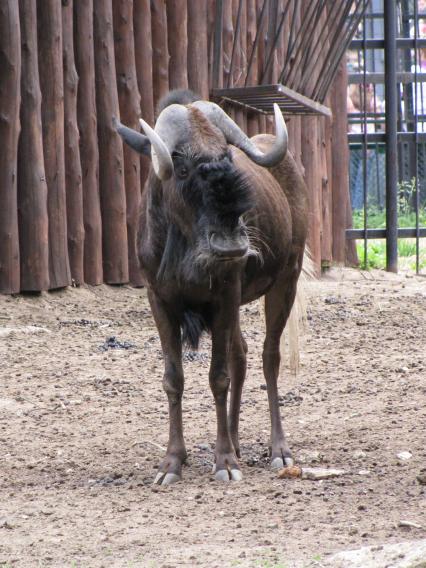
{"x":134,"y":139}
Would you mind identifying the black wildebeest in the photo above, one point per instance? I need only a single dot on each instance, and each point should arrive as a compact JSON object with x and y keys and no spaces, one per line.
{"x":223,"y":222}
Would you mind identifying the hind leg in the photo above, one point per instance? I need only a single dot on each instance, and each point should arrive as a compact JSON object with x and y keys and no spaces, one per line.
{"x":278,"y":303}
{"x":238,"y":366}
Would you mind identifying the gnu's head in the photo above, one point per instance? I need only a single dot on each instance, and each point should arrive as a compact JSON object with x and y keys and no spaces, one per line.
{"x":190,"y":154}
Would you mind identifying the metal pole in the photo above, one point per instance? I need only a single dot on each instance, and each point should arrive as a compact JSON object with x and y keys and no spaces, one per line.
{"x":391,"y":100}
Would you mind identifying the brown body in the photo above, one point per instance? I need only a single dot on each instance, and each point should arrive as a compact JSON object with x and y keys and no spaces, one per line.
{"x":201,"y":263}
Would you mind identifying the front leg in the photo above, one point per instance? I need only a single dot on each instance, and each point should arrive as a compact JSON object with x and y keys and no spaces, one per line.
{"x":168,"y":326}
{"x":224,"y":322}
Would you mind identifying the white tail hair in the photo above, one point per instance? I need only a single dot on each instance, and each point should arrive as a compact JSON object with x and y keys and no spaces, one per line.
{"x":289,"y":344}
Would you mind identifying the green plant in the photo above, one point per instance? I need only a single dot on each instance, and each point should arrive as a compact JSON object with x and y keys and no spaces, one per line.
{"x":376,"y":254}
{"x":406,"y":193}
{"x":376,"y":218}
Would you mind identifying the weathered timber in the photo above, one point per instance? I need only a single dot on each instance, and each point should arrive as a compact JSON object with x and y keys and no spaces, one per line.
{"x":129,"y":101}
{"x":326,"y":196}
{"x":239,"y":17}
{"x":310,"y":160}
{"x":326,"y":167}
{"x":252,"y":69}
{"x":177,"y":18}
{"x":49,"y":32}
{"x":160,"y":52}
{"x":10,"y":98}
{"x":214,"y":39}
{"x":73,"y":181}
{"x":295,"y":124}
{"x":143,"y":56}
{"x":198,"y":73}
{"x":87,"y":124}
{"x":111,"y":171}
{"x":228,"y":37}
{"x":262,"y":31}
{"x":340,"y":151}
{"x":32,"y":187}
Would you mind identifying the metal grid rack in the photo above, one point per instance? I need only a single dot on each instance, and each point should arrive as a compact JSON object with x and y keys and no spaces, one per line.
{"x":261,"y":98}
{"x":313,"y":49}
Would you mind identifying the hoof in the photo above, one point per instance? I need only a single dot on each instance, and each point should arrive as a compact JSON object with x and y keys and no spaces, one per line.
{"x":163,"y":478}
{"x":236,"y":475}
{"x":226,"y":475}
{"x":279,"y":463}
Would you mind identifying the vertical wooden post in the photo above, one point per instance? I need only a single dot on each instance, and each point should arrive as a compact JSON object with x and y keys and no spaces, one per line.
{"x":238,"y":72}
{"x":252,"y":118}
{"x":143,"y":56}
{"x":160,"y":52}
{"x":87,"y":124}
{"x":73,"y":182}
{"x":326,"y":194}
{"x":295,"y":125}
{"x":198,"y":78}
{"x":49,"y":26}
{"x":10,"y":98}
{"x":310,"y":160}
{"x":228,"y":36}
{"x":340,"y":167}
{"x":111,"y":167}
{"x":32,"y":188}
{"x":129,"y":100}
{"x":211,"y":33}
{"x":177,"y":43}
{"x":263,"y":31}
{"x":243,"y":58}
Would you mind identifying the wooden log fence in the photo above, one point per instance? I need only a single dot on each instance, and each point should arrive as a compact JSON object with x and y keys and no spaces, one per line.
{"x":10,"y":97}
{"x":70,"y":194}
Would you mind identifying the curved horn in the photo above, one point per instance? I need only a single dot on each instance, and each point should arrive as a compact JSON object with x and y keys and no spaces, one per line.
{"x":135,"y":140}
{"x":160,"y":155}
{"x":234,"y":135}
{"x":170,"y":129}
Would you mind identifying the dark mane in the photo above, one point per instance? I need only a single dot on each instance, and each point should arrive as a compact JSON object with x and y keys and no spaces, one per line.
{"x":178,"y":97}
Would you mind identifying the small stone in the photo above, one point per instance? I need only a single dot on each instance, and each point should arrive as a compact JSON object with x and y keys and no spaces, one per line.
{"x":359,"y":454}
{"x":364,"y":472}
{"x":310,"y":457}
{"x":404,"y":456}
{"x":422,"y":478}
{"x":333,"y":300}
{"x":4,"y":524}
{"x":315,"y":473}
{"x":410,"y":525}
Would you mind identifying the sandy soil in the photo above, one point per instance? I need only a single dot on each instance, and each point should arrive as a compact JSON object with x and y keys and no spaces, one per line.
{"x":82,"y":431}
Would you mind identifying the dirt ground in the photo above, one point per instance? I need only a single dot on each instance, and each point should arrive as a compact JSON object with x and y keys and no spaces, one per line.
{"x":83,"y":426}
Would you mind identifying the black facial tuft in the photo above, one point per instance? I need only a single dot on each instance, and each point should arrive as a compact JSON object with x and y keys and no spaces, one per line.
{"x":227,"y":193}
{"x":217,"y":190}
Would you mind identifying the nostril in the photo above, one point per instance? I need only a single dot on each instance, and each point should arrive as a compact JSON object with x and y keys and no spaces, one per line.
{"x":227,"y":247}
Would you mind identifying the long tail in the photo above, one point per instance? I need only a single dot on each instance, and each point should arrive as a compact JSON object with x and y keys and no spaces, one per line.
{"x":289,"y":345}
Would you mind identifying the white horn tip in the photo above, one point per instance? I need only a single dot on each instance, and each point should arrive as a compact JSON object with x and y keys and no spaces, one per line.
{"x":144,"y":125}
{"x":278,"y":114}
